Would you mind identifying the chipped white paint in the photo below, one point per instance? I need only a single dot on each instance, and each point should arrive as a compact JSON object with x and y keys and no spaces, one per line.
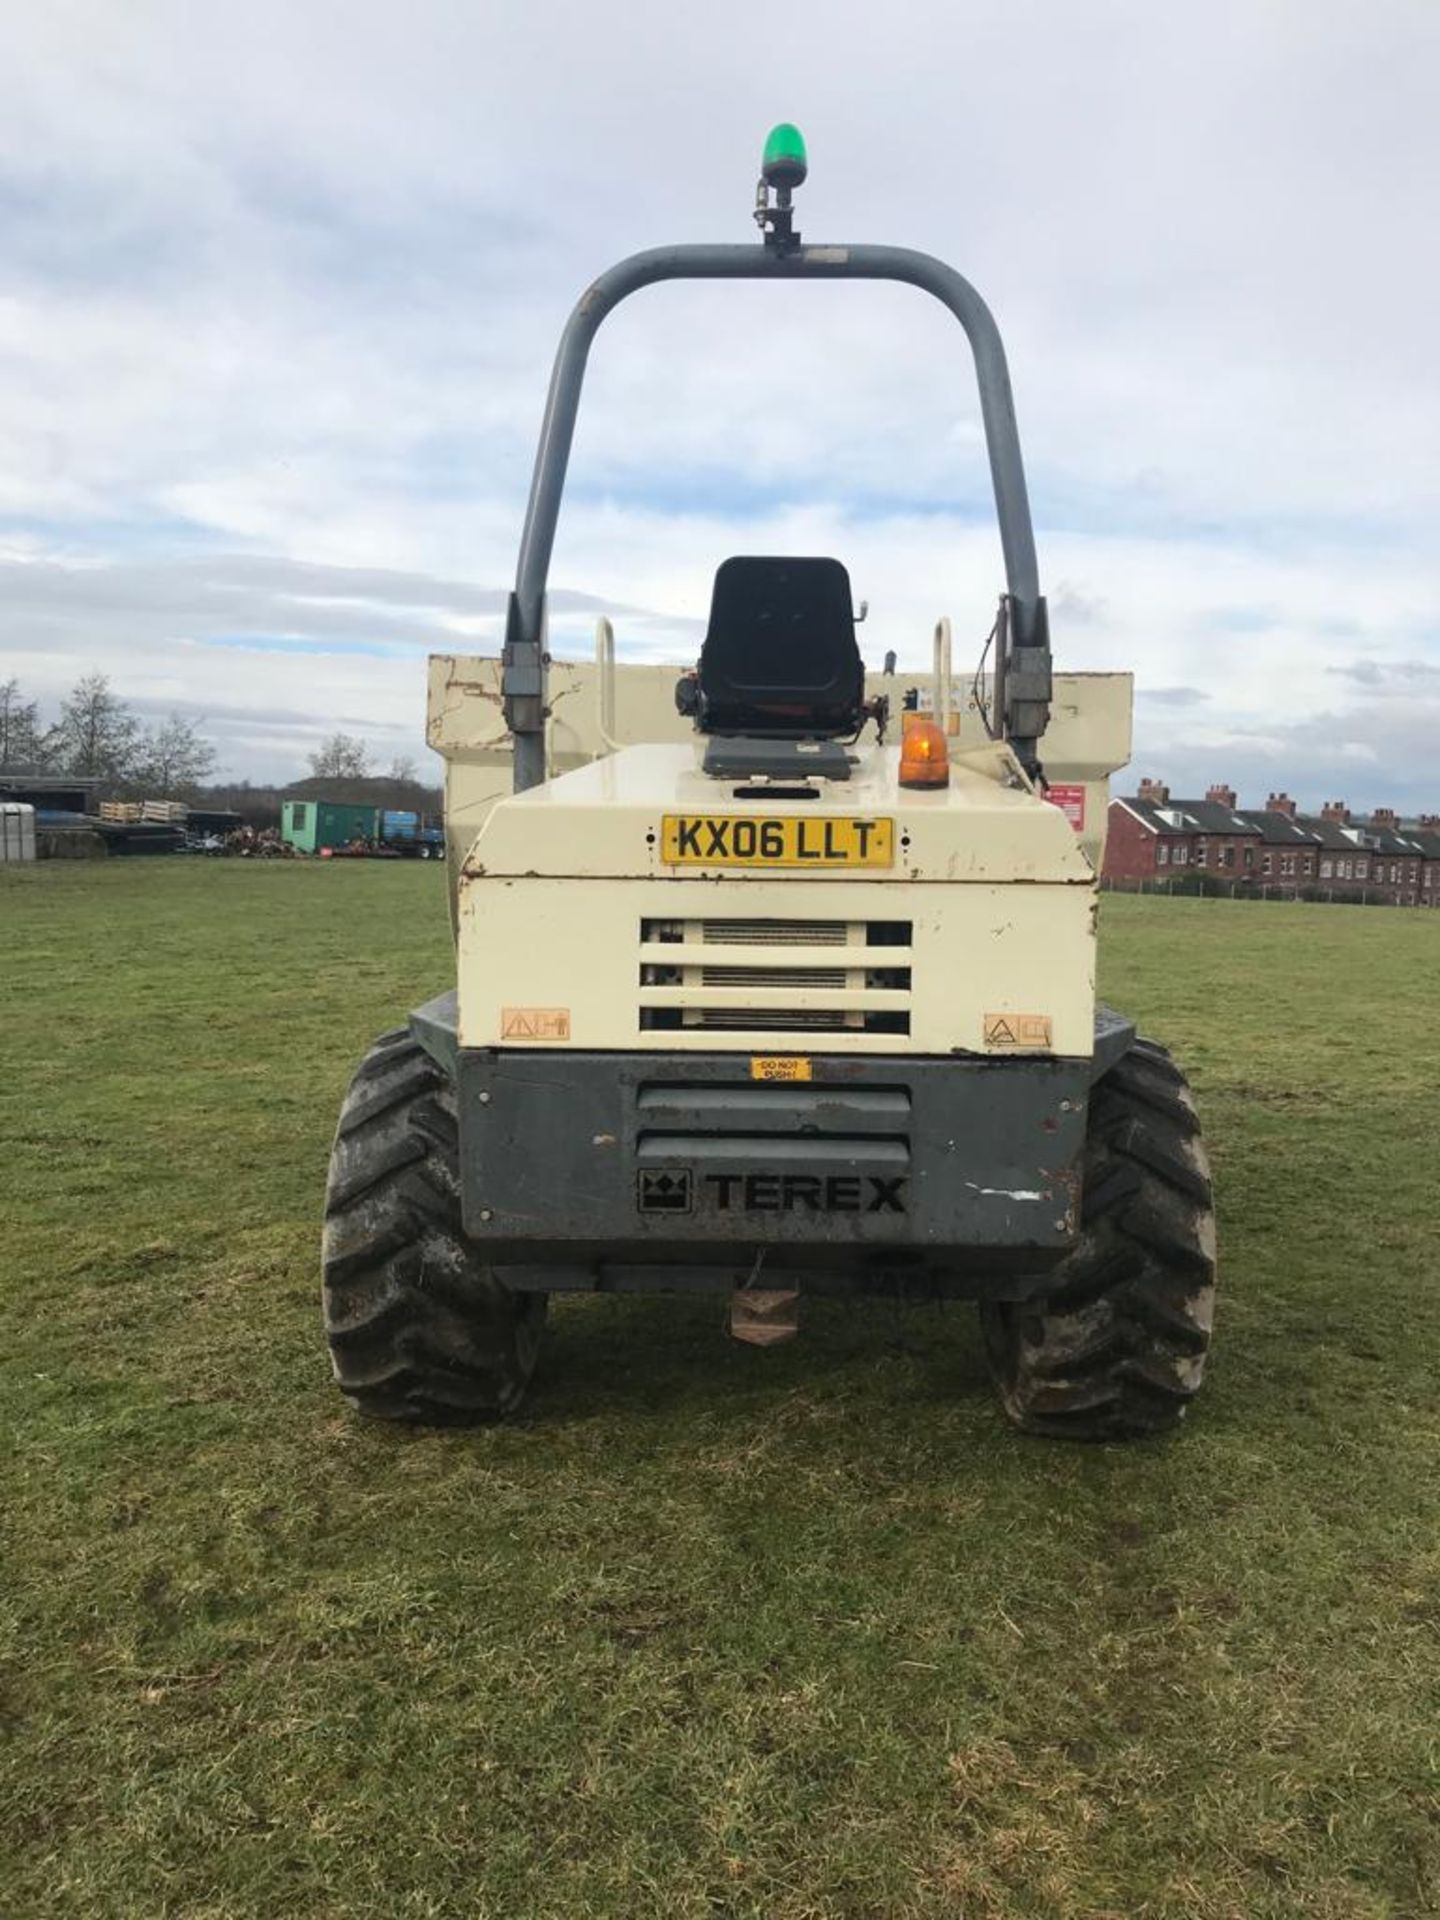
{"x":549,"y":888}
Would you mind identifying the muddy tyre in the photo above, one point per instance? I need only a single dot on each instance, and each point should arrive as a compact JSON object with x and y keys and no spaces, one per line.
{"x":419,"y":1327}
{"x":1116,"y":1346}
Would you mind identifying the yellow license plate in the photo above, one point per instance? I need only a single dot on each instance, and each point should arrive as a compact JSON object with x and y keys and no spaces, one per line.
{"x":783,"y":840}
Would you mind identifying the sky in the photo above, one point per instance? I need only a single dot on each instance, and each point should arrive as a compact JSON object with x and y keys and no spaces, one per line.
{"x":280,"y":286}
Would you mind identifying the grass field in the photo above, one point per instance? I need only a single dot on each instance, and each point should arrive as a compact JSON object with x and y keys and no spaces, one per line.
{"x":712,"y":1632}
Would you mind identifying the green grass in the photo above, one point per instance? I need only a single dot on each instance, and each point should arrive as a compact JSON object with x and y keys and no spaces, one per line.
{"x":712,"y":1632}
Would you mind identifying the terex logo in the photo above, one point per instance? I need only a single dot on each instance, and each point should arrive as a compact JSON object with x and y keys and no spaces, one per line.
{"x":804,"y":1193}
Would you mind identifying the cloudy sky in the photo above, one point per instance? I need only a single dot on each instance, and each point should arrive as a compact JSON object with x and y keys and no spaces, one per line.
{"x":279,"y":287}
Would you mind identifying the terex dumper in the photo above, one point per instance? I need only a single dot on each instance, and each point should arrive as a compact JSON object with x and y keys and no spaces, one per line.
{"x":774,"y":979}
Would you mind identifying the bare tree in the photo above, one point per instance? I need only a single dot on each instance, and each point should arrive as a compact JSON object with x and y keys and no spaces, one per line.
{"x":341,"y":757}
{"x":173,"y":758}
{"x":403,"y":769}
{"x":97,"y":734}
{"x":24,"y":746}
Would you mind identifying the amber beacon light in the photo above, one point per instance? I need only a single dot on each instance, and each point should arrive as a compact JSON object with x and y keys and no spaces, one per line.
{"x":924,"y":753}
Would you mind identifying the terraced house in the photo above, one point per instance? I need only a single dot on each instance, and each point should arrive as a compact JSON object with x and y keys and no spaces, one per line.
{"x":1155,"y":839}
{"x":1371,"y":855}
{"x":1289,"y":855}
{"x":1425,"y":834}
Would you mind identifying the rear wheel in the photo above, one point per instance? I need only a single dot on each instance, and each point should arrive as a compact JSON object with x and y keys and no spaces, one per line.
{"x":419,"y":1327}
{"x":1116,"y":1346}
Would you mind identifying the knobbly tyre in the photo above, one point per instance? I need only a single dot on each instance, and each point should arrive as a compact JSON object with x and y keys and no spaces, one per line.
{"x":773,"y":979}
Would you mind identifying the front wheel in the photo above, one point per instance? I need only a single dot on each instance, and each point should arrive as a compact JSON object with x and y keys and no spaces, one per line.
{"x":419,"y":1327}
{"x":1116,"y":1346}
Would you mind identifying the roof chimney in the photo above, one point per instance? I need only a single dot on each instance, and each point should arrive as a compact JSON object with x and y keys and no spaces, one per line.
{"x":1430,"y":823}
{"x":1154,"y":793}
{"x":1222,"y":796}
{"x":1384,"y":817}
{"x":1336,"y":811}
{"x":1281,"y":803}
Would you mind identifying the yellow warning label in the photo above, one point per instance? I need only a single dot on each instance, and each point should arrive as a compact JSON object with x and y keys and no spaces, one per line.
{"x":1020,"y":1030}
{"x":781,"y":1067}
{"x":534,"y":1023}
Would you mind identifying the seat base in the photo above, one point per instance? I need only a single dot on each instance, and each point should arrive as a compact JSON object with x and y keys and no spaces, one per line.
{"x":731,"y":756}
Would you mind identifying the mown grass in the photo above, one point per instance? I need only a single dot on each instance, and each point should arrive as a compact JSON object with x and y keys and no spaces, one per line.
{"x":712,"y":1632}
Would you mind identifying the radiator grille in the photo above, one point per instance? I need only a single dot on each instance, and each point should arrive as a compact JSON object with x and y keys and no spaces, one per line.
{"x":768,"y":981}
{"x":774,"y":977}
{"x":774,"y":933}
{"x":775,"y":1020}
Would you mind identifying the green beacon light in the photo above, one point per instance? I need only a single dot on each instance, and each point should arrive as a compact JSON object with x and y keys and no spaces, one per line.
{"x":783,"y":163}
{"x":783,"y":167}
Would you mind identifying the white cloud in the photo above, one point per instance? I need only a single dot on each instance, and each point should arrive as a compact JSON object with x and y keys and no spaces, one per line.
{"x":284,"y":282}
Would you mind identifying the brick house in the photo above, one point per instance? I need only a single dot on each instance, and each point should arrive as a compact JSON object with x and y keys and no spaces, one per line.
{"x":1146,"y":838}
{"x":1397,"y":860}
{"x":1152,"y":837}
{"x":1365,"y":858}
{"x":1424,"y":833}
{"x":1344,"y":864}
{"x":1272,"y":849}
{"x":1227,"y":844}
{"x":1289,"y":854}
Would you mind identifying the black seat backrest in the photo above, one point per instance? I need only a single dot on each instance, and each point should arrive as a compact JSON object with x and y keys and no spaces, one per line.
{"x":780,"y":654}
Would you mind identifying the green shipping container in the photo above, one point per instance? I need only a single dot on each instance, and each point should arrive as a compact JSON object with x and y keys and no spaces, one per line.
{"x":313,"y":824}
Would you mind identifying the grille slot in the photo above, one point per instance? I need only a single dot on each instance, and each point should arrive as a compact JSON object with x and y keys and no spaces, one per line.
{"x":769,"y":1149}
{"x":771,"y":1125}
{"x":773,"y":977}
{"x":777,"y":1020}
{"x":707,"y":1106}
{"x":775,"y":933}
{"x":761,"y":976}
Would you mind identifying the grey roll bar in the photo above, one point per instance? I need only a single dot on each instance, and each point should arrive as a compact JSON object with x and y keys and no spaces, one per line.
{"x":1027,"y":668}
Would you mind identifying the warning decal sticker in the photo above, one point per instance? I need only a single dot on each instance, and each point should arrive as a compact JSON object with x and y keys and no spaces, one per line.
{"x":1071,"y":802}
{"x":535,"y":1023}
{"x":1019,"y":1030}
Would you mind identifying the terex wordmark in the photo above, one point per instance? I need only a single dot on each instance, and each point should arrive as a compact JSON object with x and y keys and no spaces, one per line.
{"x":804,"y":1192}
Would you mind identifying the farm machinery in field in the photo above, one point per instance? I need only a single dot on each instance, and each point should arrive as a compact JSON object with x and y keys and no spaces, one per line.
{"x":774,"y":977}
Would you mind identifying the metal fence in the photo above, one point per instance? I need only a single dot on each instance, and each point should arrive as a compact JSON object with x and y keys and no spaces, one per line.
{"x":1192,"y":887}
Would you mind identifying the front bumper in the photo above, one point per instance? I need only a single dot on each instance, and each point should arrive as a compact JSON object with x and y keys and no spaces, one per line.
{"x":889,"y":1173}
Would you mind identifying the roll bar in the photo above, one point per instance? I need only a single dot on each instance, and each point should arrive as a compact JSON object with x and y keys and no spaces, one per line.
{"x":1027,"y":668}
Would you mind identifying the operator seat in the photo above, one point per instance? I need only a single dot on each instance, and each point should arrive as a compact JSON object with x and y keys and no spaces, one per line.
{"x":780,"y":657}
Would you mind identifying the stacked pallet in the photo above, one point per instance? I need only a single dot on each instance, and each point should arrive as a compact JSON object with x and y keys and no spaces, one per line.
{"x":154,"y":813}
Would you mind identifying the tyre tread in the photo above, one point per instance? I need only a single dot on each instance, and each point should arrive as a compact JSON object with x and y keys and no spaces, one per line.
{"x":420,"y":1329}
{"x":1116,"y":1346}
